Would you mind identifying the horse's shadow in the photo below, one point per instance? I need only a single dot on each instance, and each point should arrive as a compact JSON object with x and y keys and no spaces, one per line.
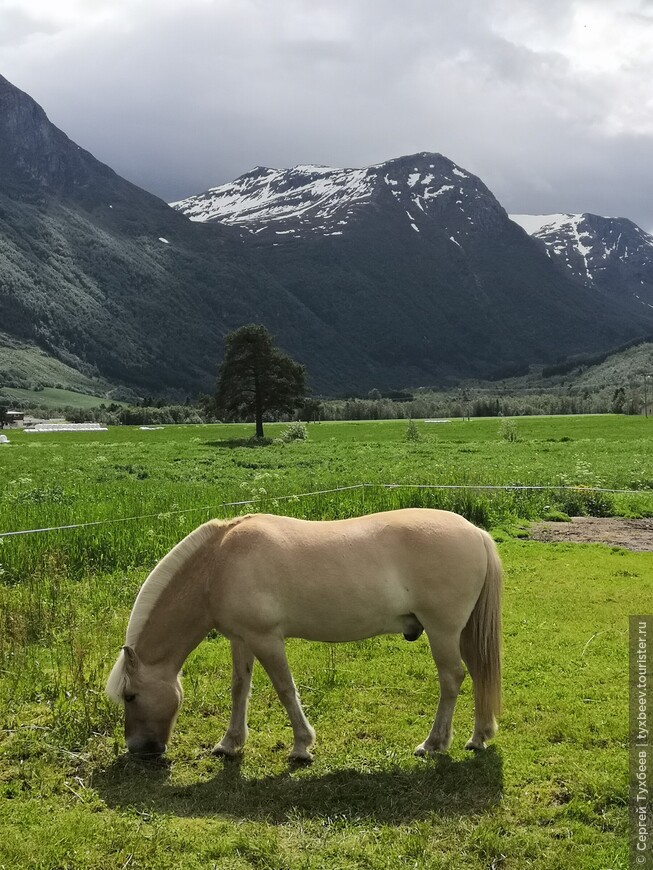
{"x":442,"y":786}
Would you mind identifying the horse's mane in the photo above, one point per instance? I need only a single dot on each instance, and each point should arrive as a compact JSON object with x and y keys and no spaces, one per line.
{"x":151,"y":590}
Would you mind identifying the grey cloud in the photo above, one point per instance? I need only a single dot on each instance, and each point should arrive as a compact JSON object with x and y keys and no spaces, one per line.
{"x":17,"y":26}
{"x":178,"y":99}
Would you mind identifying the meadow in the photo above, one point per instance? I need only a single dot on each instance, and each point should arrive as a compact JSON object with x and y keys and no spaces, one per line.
{"x":550,"y":792}
{"x":54,"y":397}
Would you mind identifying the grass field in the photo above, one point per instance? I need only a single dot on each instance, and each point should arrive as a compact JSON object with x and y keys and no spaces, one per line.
{"x":53,"y":397}
{"x":550,"y":793}
{"x":69,"y":478}
{"x":24,"y":363}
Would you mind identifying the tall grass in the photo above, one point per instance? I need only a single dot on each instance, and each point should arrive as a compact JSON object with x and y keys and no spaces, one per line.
{"x":140,"y":542}
{"x":179,"y":477}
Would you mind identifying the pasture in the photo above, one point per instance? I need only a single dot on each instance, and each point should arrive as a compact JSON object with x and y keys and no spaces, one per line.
{"x":550,"y":792}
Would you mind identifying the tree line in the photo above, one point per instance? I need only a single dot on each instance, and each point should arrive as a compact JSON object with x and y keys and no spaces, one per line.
{"x":258,"y":382}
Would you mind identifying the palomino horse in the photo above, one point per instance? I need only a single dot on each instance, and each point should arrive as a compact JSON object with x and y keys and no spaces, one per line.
{"x":261,"y":578}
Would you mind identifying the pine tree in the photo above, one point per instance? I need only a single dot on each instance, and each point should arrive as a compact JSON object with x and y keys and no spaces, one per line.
{"x":255,"y":377}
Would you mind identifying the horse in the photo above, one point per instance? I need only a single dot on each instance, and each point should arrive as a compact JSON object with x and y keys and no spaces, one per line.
{"x":261,"y":578}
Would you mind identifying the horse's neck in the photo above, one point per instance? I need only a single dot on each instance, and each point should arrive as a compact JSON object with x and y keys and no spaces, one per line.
{"x":179,"y":621}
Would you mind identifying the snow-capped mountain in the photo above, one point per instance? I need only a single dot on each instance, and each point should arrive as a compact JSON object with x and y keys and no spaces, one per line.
{"x":290,"y":204}
{"x":612,"y":255}
{"x":413,"y":261}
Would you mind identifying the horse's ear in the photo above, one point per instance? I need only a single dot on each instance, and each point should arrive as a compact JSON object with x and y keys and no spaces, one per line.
{"x":131,"y":660}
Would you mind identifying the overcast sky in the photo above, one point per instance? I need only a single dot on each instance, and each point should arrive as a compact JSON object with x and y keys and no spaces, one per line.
{"x":550,"y":102}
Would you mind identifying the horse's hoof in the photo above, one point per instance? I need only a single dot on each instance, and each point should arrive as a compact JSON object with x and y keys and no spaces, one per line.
{"x":425,"y":752}
{"x":301,"y":758}
{"x":221,"y":751}
{"x":475,"y":747}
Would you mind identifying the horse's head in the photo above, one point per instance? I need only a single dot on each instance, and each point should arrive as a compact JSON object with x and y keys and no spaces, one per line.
{"x":152,"y":699}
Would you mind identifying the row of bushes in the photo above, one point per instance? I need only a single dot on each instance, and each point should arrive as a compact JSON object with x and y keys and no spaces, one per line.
{"x":444,"y":405}
{"x":438,"y":405}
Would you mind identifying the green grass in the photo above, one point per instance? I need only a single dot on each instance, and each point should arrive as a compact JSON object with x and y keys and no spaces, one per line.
{"x":67,"y":478}
{"x":52,"y":397}
{"x":550,"y":793}
{"x":26,"y":364}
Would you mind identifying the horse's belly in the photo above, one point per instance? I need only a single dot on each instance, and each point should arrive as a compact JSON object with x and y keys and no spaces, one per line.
{"x":338,"y":618}
{"x":340,"y":628}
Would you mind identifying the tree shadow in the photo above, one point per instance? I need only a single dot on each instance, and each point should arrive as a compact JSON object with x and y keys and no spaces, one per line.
{"x":442,"y":786}
{"x":232,"y":443}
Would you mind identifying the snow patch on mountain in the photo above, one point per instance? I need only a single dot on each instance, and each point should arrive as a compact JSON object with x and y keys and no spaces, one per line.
{"x":568,"y":236}
{"x":279,"y":195}
{"x":534,"y":223}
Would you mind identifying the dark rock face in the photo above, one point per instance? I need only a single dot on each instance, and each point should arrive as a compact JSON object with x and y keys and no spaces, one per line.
{"x":37,"y":159}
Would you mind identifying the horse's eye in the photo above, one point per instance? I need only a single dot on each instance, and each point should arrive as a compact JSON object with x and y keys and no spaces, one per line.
{"x":129,"y":698}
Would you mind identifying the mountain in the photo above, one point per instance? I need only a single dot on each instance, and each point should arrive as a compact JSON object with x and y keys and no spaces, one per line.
{"x":107,"y":278}
{"x":611,"y":255}
{"x":284,"y":205}
{"x":416,"y":262}
{"x":593,"y":383}
{"x":401,"y":274}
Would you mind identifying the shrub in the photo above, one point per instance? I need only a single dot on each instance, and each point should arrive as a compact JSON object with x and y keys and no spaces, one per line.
{"x":412,"y":432}
{"x":508,"y":430}
{"x":294,"y":432}
{"x":585,"y":502}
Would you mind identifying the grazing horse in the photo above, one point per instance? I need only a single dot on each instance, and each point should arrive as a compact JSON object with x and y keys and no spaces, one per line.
{"x":261,"y":578}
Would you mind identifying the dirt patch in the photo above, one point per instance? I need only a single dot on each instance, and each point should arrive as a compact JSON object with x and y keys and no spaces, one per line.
{"x":614,"y":531}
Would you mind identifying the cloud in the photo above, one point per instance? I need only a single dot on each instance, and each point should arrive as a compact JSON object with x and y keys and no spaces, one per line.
{"x":549,"y":103}
{"x":18,"y":25}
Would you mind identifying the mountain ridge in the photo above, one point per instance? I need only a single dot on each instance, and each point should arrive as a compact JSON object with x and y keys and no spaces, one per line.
{"x":311,"y":199}
{"x":427,"y":209}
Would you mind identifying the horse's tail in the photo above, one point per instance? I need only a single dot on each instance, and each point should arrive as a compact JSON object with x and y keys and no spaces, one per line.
{"x":480,"y":642}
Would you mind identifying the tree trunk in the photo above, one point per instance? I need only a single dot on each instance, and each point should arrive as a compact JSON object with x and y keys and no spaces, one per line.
{"x":259,"y":408}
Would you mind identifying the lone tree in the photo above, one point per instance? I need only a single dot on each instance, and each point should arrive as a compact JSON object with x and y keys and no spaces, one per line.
{"x":256,"y":377}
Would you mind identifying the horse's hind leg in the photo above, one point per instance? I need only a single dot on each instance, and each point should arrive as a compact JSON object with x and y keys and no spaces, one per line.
{"x":242,"y":660}
{"x":446,"y":655}
{"x":271,"y":653}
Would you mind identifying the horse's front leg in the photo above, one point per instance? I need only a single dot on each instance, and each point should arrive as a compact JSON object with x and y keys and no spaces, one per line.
{"x":241,"y":681}
{"x":271,"y":653}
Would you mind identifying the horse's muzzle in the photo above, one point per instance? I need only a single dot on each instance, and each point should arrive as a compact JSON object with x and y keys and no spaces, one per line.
{"x":146,"y":748}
